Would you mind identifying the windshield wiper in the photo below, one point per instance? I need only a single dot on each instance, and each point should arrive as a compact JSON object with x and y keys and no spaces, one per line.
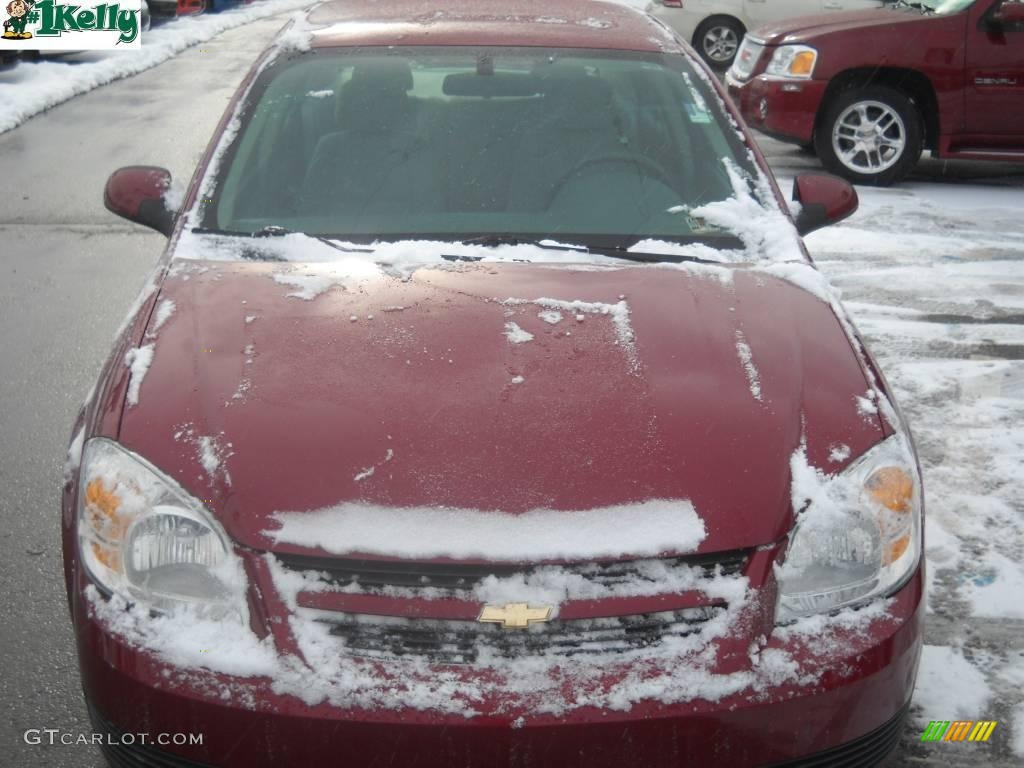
{"x":619,"y":252}
{"x":276,"y":231}
{"x":615,"y":252}
{"x":490,"y":241}
{"x":272,"y":230}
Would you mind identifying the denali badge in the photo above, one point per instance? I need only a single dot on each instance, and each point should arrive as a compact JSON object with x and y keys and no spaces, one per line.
{"x":514,"y":615}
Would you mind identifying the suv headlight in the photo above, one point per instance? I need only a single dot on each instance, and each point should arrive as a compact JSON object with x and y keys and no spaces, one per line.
{"x":792,"y":61}
{"x":858,"y":535}
{"x":142,"y":536}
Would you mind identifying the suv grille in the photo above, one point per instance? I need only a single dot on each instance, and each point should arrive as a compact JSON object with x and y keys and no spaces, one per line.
{"x":463,"y":642}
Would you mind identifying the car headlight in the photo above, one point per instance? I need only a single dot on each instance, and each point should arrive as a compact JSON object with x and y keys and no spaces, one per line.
{"x":792,"y":61}
{"x":858,"y":536}
{"x":142,"y":536}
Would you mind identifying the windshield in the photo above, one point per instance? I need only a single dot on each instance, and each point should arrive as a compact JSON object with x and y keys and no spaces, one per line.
{"x":451,"y":143}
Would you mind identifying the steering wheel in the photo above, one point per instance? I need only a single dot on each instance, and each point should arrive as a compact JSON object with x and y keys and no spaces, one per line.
{"x":647,"y":167}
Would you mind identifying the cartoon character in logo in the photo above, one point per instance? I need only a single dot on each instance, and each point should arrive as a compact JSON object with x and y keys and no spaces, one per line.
{"x":14,"y":27}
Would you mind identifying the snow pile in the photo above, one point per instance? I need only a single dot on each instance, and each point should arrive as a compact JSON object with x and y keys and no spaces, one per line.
{"x":1017,"y":745}
{"x":618,"y":312}
{"x":551,"y":316}
{"x":32,"y":87}
{"x":747,"y":361}
{"x":949,"y":687}
{"x":311,"y":280}
{"x":245,"y":384}
{"x":164,"y":310}
{"x":824,"y":504}
{"x":830,"y":634}
{"x":838,"y":453}
{"x":138,"y":361}
{"x":645,"y":528}
{"x":74,"y":457}
{"x":212,"y":451}
{"x":758,"y":222}
{"x":517,"y":335}
{"x":368,"y":472}
{"x":188,"y":639}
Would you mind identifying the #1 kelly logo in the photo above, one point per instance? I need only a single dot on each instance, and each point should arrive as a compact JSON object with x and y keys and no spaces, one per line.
{"x":51,"y":25}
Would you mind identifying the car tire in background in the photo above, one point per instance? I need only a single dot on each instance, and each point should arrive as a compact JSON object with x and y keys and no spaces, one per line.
{"x":717,"y":39}
{"x":870,"y":135}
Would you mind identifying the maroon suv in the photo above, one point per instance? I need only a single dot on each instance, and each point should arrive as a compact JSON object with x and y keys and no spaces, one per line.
{"x":870,"y":90}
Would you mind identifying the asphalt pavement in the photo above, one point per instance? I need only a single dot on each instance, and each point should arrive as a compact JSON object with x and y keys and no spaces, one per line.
{"x":69,"y":272}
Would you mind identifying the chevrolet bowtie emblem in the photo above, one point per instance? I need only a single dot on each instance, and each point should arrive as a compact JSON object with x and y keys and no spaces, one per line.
{"x":514,"y":615}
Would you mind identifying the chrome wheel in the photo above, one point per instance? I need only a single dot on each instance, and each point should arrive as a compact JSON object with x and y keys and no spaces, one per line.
{"x":869,"y":137}
{"x":720,"y":43}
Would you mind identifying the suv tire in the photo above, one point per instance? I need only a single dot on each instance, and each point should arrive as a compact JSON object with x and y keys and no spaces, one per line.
{"x":871,"y":135}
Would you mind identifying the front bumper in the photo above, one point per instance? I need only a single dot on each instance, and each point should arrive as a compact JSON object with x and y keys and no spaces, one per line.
{"x":782,"y":108}
{"x":853,"y":709}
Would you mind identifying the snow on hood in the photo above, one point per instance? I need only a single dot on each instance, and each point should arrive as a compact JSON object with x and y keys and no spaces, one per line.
{"x":598,"y":409}
{"x":647,"y":528}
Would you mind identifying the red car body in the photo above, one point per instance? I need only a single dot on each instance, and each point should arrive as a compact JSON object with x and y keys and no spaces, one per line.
{"x":172,"y":8}
{"x":465,"y":442}
{"x":963,"y":71}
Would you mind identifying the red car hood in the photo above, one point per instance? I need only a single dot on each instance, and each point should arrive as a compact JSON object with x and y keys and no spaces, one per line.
{"x":427,"y":382}
{"x":809,"y":28}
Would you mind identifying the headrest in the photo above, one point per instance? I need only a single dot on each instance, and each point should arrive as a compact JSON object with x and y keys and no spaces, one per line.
{"x":571,"y":95}
{"x":388,"y":74}
{"x":375,"y":98}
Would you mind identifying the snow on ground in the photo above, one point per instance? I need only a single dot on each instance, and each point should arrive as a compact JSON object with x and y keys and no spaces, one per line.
{"x":933,"y":275}
{"x":949,"y":687}
{"x":31,"y":87}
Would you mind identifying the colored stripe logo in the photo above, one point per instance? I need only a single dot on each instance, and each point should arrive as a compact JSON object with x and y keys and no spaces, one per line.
{"x":959,"y":730}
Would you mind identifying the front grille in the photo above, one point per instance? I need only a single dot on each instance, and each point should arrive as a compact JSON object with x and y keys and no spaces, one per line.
{"x":462,"y":577}
{"x":463,"y":642}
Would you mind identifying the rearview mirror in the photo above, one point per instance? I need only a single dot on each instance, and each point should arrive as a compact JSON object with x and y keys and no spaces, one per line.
{"x":824,"y":199}
{"x":1010,"y":12}
{"x":137,"y":194}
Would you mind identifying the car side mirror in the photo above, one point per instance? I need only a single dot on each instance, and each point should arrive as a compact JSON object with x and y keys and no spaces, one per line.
{"x":824,"y":199}
{"x":1010,"y":12}
{"x":137,"y":194}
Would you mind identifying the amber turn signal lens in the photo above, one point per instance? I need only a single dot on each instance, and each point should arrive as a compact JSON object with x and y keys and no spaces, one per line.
{"x":99,"y":499}
{"x":101,"y":505}
{"x":893,"y":488}
{"x":895,"y":550}
{"x":802,"y":63}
